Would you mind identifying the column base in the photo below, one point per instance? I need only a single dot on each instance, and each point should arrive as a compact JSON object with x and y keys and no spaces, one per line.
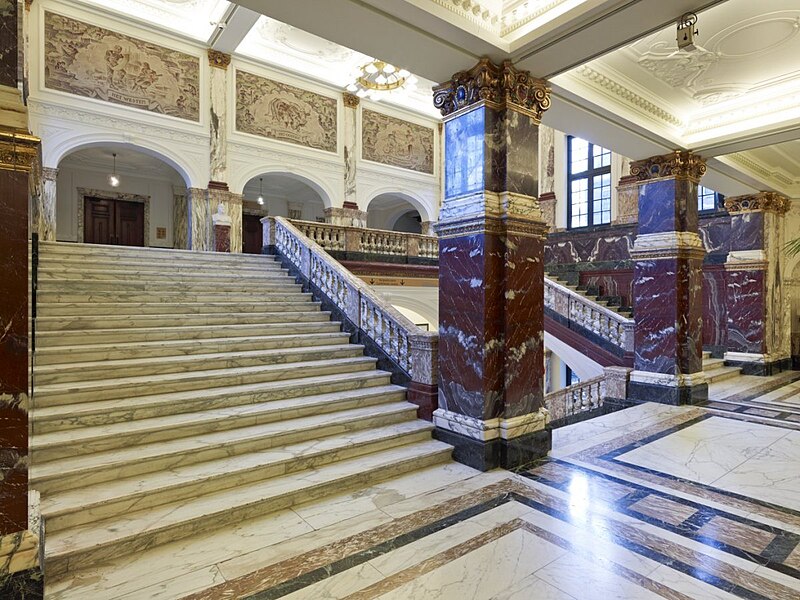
{"x":761,"y":365}
{"x":425,"y":396}
{"x":678,"y":395}
{"x":23,"y":585}
{"x":485,"y":455}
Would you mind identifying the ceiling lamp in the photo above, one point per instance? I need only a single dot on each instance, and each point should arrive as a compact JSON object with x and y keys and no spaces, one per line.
{"x":113,"y":178}
{"x":260,"y":198}
{"x":379,"y":76}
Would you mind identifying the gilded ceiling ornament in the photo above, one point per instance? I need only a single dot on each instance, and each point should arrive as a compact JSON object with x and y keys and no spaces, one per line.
{"x":680,"y":163}
{"x":500,"y":87}
{"x":218,"y":59}
{"x":766,"y":201}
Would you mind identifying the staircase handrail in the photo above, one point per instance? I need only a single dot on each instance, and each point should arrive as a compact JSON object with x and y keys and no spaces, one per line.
{"x":567,"y":404}
{"x":599,"y":319}
{"x":410,"y":347}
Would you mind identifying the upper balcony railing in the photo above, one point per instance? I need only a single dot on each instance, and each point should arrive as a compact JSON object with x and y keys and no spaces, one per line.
{"x":412,"y":349}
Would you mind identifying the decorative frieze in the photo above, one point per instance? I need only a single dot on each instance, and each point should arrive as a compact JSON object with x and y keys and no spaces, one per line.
{"x":765,"y":201}
{"x":680,"y":164}
{"x":496,"y":86}
{"x":396,"y":142}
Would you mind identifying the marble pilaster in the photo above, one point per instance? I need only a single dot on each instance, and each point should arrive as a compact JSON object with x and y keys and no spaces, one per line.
{"x":44,"y":220}
{"x":758,"y":325}
{"x":218,"y":83}
{"x":180,"y":219}
{"x":351,"y":150}
{"x":667,"y":284}
{"x":491,"y":269}
{"x":627,"y":199}
{"x":199,"y":219}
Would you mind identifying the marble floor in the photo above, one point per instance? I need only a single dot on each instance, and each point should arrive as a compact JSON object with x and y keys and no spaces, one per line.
{"x":652,"y":501}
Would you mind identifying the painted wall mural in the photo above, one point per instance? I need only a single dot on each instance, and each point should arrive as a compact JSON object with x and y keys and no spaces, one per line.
{"x":94,"y":62}
{"x":283,"y":112}
{"x":396,"y":142}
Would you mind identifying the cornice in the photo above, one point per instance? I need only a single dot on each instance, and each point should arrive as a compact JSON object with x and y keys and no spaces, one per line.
{"x":764,"y":201}
{"x":780,"y":179}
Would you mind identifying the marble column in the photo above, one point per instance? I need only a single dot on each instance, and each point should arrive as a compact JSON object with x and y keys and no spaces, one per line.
{"x":350,"y":138}
{"x":44,"y":221}
{"x":180,"y":219}
{"x":218,"y":83}
{"x":668,"y":282}
{"x":491,"y":269}
{"x":199,"y":219}
{"x":758,"y":322}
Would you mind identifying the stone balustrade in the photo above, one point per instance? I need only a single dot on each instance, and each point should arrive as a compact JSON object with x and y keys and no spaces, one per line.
{"x":339,"y":238}
{"x":587,"y":398}
{"x":412,"y":349}
{"x":591,"y":316}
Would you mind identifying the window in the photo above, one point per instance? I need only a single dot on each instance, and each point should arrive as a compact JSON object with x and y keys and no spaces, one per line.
{"x":588,"y":183}
{"x":708,"y":199}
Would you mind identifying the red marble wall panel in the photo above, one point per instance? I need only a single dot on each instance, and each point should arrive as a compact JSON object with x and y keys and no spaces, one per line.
{"x":715,"y":303}
{"x":746,"y":310}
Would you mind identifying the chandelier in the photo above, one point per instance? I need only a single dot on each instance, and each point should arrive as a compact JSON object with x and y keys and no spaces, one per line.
{"x":379,"y":76}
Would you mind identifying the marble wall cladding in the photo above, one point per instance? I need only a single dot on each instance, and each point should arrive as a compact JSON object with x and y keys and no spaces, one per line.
{"x":715,"y":231}
{"x":45,"y":209}
{"x":464,"y":154}
{"x":199,"y":219}
{"x":547,"y":159}
{"x":668,"y":334}
{"x":8,"y":42}
{"x":218,"y":84}
{"x":283,"y":112}
{"x":667,"y":205}
{"x":471,"y":325}
{"x":520,"y":155}
{"x":14,"y":351}
{"x":748,"y":228}
{"x":715,"y":306}
{"x":98,"y":63}
{"x":618,"y":282}
{"x":590,"y":245}
{"x":627,"y":202}
{"x":746,"y":310}
{"x":180,"y":219}
{"x":395,"y":142}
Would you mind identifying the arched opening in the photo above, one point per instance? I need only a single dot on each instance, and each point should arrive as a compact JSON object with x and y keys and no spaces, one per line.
{"x":282,"y":195}
{"x":138,"y":206}
{"x":394,"y":212}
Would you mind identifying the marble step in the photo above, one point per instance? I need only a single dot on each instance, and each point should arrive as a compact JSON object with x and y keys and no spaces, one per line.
{"x":74,"y":472}
{"x":89,"y":286}
{"x":99,"y":309}
{"x":712,"y":363}
{"x":148,"y":264}
{"x":293,"y":293}
{"x":57,"y":355}
{"x":104,"y":412}
{"x":104,"y":500}
{"x":49,"y":339}
{"x":101,"y":251}
{"x":131,"y":367}
{"x":108,"y":389}
{"x":102,"y":438}
{"x":722,"y":373}
{"x":311,"y":313}
{"x":166,"y":274}
{"x":79,"y":547}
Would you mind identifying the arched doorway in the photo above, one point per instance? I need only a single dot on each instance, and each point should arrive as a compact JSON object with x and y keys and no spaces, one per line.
{"x":394,"y":212}
{"x":117,"y":195}
{"x":284,"y":195}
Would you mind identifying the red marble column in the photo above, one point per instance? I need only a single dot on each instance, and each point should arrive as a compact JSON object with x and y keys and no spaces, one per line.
{"x":667,"y":284}
{"x":491,"y":269}
{"x":758,"y":328}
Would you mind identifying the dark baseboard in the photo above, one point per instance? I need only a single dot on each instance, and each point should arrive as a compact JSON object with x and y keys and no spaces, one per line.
{"x":663,"y":394}
{"x":508,"y":454}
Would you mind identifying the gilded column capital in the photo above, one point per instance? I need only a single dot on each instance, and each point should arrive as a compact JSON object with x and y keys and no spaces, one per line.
{"x":18,"y":151}
{"x":218,"y":59}
{"x":496,"y":86}
{"x":766,"y":201}
{"x":351,"y":100}
{"x":679,"y":164}
{"x":49,"y":173}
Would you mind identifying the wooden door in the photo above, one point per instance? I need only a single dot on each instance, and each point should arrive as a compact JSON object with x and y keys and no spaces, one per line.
{"x":251,"y":234}
{"x":113,"y":222}
{"x":129,"y":223}
{"x":98,"y":221}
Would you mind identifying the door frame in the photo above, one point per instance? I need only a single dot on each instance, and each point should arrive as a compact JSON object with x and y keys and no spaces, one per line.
{"x":84,"y":193}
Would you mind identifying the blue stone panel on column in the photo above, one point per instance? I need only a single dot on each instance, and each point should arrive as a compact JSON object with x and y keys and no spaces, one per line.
{"x":522,"y":140}
{"x":747,"y":231}
{"x":657,"y":210}
{"x":464,"y":154}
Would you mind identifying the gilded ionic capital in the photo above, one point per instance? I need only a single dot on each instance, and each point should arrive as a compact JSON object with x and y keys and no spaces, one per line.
{"x":765,"y":201}
{"x":350,"y":100}
{"x":496,"y":86}
{"x":681,"y":164}
{"x":218,"y":59}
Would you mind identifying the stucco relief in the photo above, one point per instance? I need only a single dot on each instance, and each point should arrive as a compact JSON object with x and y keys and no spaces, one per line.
{"x":283,"y":112}
{"x":94,"y":62}
{"x":395,"y":142}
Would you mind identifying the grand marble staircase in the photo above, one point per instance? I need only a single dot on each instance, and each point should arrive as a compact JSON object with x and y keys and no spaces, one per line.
{"x":179,"y":392}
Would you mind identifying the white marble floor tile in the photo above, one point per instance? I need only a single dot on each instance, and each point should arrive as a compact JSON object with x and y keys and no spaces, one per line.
{"x":705,"y":451}
{"x":172,"y":588}
{"x":533,"y":588}
{"x":483,"y":573}
{"x":338,"y":586}
{"x":694,"y":588}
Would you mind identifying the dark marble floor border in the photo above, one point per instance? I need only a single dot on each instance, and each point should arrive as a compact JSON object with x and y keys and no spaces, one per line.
{"x":773,"y":556}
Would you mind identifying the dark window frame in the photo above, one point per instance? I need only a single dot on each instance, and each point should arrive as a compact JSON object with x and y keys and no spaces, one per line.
{"x":718,"y":198}
{"x":589,"y":174}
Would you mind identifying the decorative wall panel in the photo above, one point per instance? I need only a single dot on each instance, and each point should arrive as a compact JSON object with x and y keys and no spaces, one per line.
{"x":396,"y":142}
{"x":94,"y":62}
{"x":283,"y":112}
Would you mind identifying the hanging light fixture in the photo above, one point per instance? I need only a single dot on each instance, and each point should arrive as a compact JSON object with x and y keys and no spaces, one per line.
{"x":113,"y":178}
{"x":379,"y":76}
{"x":260,"y":198}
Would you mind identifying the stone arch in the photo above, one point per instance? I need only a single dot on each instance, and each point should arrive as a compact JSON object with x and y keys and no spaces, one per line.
{"x":413,"y":199}
{"x":319,"y":186}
